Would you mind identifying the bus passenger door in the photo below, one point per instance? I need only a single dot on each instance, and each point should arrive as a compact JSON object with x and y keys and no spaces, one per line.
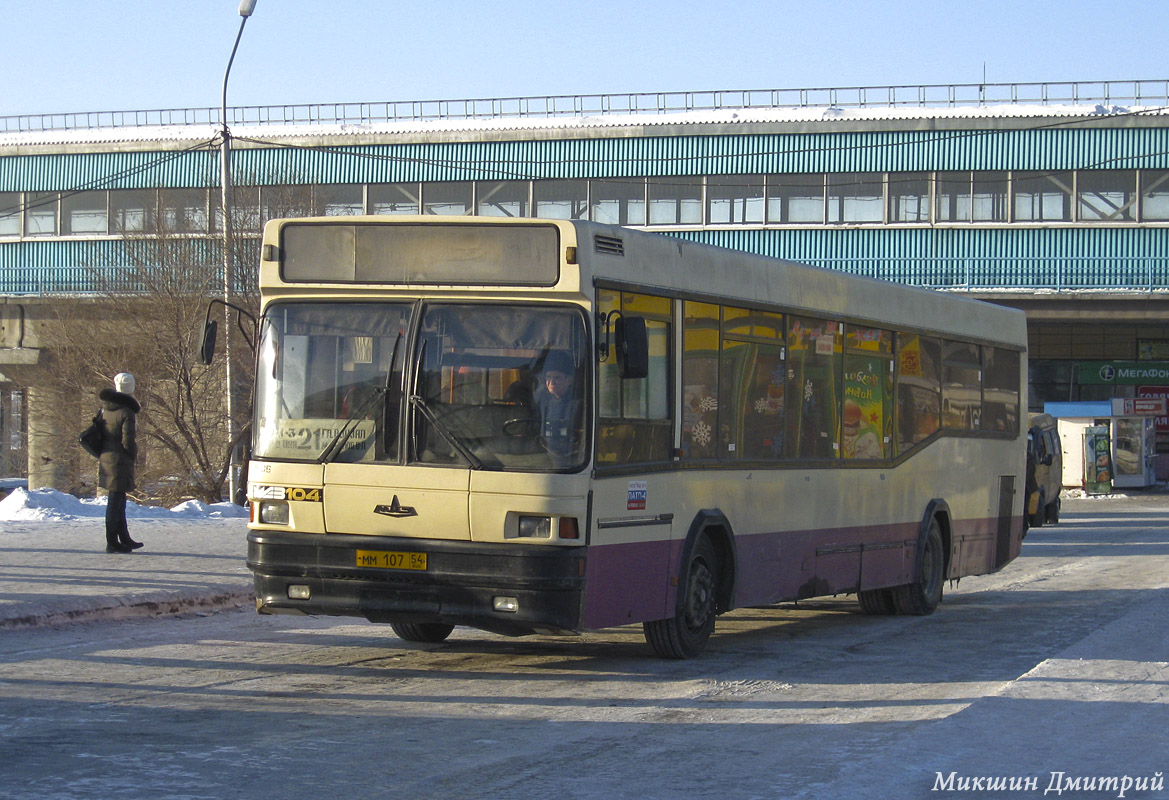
{"x":630,"y":547}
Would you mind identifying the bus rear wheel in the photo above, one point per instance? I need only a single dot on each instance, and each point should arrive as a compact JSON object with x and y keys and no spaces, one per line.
{"x":923,"y":595}
{"x":685,"y":634}
{"x":429,"y":632}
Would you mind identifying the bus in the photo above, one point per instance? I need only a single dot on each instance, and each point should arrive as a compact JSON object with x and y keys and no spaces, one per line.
{"x":553,"y":426}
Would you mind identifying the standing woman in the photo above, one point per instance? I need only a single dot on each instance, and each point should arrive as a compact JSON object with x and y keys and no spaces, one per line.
{"x":116,"y":464}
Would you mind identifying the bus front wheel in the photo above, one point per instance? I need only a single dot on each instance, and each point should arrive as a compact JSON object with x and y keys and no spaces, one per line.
{"x":685,"y":634}
{"x":923,"y":595}
{"x":429,"y":632}
{"x":877,"y":602}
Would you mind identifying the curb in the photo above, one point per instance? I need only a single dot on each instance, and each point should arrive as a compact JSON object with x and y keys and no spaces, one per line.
{"x":134,"y":608}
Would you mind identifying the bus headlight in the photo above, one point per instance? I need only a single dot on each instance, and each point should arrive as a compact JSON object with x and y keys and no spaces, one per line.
{"x":541,"y":527}
{"x":273,"y":513}
{"x":535,"y":527}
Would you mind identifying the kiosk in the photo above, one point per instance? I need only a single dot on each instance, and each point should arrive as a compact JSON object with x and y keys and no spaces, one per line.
{"x":1130,"y":423}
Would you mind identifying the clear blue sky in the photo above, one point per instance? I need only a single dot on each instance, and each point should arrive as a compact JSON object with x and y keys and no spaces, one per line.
{"x":89,"y":55}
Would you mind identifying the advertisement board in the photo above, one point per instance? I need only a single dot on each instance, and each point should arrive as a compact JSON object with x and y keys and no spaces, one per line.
{"x":1156,"y":391}
{"x":1097,"y":460}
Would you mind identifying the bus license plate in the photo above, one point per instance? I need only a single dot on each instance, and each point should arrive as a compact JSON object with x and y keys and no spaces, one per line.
{"x":389,"y":559}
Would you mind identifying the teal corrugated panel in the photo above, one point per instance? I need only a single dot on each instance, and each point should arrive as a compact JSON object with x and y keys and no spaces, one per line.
{"x":138,"y":170}
{"x":68,"y":267}
{"x":609,"y":157}
{"x":616,"y":156}
{"x":1067,"y":258}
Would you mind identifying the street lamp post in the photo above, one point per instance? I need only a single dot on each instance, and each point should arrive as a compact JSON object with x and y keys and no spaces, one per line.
{"x":246,"y":7}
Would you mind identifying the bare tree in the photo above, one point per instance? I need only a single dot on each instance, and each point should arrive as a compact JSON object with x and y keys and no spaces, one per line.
{"x":144,"y":316}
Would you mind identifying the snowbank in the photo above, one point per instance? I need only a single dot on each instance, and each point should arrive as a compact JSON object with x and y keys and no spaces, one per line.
{"x":50,"y":505}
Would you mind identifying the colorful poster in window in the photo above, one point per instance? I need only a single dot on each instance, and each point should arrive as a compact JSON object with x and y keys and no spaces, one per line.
{"x":863,"y":428}
{"x":1097,"y":460}
{"x":911,"y":357}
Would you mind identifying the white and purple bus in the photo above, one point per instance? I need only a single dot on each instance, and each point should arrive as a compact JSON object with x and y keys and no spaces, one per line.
{"x":548,"y":426}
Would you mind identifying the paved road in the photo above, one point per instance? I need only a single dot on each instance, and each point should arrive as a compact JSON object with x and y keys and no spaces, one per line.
{"x":1058,"y":664}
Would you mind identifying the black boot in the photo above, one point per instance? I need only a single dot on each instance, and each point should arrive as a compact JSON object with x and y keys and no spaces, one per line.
{"x":114,"y":546}
{"x":126,"y":541}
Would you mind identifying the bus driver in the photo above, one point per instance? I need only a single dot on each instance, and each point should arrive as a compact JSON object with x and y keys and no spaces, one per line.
{"x":559,"y":407}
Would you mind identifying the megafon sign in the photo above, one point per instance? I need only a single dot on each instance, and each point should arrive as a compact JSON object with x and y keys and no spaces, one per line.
{"x":1150,"y":377}
{"x":1123,"y":373}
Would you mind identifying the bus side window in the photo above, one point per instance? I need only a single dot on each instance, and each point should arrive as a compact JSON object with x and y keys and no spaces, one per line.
{"x":961,"y":386}
{"x":867,"y":427}
{"x":814,"y":391}
{"x":700,"y":384}
{"x":635,"y":421}
{"x":919,"y":364}
{"x":1000,"y":389}
{"x":752,"y":383}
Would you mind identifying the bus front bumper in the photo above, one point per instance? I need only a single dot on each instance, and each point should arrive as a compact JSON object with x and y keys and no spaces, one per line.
{"x":539,"y":588}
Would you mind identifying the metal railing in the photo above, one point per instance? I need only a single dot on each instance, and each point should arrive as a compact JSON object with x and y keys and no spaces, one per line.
{"x":1104,"y":93}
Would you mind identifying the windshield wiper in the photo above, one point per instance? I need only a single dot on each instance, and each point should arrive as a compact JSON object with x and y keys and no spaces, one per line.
{"x":341,"y":438}
{"x":420,"y":403}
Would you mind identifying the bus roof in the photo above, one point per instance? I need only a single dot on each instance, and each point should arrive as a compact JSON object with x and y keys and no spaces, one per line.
{"x":657,"y":263}
{"x":647,"y":259}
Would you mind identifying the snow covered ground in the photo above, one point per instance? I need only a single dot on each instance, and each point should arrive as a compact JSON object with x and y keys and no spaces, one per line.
{"x":54,"y":568}
{"x":50,"y":505}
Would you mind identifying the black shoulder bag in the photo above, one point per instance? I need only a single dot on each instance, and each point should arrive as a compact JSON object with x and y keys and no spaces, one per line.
{"x":93,"y":438}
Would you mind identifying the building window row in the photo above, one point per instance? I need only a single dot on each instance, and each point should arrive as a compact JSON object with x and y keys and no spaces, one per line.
{"x":927,"y":198}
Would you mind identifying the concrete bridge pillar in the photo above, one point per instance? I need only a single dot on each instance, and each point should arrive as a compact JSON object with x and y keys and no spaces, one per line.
{"x":51,"y":464}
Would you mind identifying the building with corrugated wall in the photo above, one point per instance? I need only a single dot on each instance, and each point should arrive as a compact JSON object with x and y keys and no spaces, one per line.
{"x":1050,"y":197}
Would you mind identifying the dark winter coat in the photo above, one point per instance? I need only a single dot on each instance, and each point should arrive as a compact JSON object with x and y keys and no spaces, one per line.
{"x":116,"y":464}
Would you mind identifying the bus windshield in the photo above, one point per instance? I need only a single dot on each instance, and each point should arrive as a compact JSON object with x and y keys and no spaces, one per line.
{"x":499,"y":387}
{"x":484,"y":386}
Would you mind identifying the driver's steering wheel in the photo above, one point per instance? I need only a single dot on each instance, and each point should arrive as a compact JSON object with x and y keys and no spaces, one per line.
{"x":526,"y":427}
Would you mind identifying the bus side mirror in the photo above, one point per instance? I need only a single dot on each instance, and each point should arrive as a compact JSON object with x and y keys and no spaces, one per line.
{"x":207,"y":341}
{"x":211,"y":327}
{"x":632,"y":347}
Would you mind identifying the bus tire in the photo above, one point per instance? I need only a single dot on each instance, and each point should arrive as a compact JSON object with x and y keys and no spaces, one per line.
{"x":922,"y":596}
{"x":428,"y":632}
{"x":877,"y":602}
{"x":1052,"y":512}
{"x":685,"y":634}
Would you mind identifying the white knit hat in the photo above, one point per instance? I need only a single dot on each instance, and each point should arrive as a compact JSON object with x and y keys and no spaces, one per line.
{"x":124,"y":383}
